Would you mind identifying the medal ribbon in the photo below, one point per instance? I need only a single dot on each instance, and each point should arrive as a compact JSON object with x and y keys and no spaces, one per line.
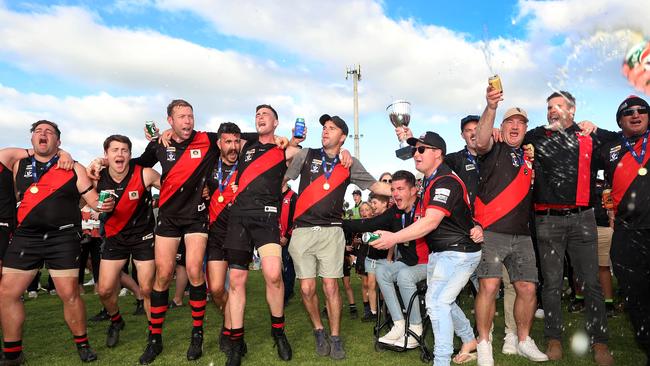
{"x":326,"y":172}
{"x":222,"y":185}
{"x":637,"y":157}
{"x":48,"y":165}
{"x":471,"y":159}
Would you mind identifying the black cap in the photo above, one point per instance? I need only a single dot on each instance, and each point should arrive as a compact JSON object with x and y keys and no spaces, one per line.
{"x":431,"y":139}
{"x":338,"y":121}
{"x":630,"y":101}
{"x":356,"y":191}
{"x":468,"y":119}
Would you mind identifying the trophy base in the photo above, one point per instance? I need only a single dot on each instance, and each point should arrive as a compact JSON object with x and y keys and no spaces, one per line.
{"x":404,"y":153}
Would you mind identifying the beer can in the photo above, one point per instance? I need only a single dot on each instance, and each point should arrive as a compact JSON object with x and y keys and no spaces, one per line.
{"x":299,"y":129}
{"x":151,"y":128}
{"x":495,"y":82}
{"x":608,"y":201}
{"x":369,"y":237}
{"x":103,"y":195}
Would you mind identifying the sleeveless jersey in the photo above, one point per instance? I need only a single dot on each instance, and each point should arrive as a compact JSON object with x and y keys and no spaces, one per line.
{"x":132,"y":218}
{"x":317,"y":206}
{"x":50,"y":206}
{"x":259,"y":179}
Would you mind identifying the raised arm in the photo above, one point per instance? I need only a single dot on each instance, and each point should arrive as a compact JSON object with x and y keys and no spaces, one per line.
{"x":485,"y":126}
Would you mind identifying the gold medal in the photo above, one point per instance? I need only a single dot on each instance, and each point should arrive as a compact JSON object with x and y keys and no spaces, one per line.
{"x":34,"y":189}
{"x":643,"y":171}
{"x":220,"y":199}
{"x":326,"y":186}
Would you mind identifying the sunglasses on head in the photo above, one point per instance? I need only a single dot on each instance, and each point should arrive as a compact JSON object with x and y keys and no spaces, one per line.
{"x":387,"y":180}
{"x":630,"y":111}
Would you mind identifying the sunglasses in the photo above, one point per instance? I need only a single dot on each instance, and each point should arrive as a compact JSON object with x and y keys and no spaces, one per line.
{"x":387,"y":180}
{"x":630,"y":111}
{"x":421,"y":149}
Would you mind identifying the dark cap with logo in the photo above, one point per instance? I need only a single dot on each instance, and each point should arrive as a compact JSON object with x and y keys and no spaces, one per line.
{"x":431,"y":139}
{"x":338,"y":121}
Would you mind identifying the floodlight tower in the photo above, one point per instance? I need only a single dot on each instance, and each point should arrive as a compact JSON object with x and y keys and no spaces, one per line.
{"x":355,"y":71}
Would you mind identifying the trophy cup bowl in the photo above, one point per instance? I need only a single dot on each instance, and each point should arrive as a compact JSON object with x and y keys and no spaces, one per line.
{"x":399,"y":114}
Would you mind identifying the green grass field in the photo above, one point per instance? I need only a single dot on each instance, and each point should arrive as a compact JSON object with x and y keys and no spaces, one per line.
{"x":47,"y":340}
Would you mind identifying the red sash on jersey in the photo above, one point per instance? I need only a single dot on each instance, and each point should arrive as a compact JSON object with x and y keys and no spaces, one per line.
{"x":184,"y":167}
{"x":259,"y":166}
{"x":49,"y":183}
{"x":314,"y":192}
{"x":506,"y":201}
{"x":125,"y":207}
{"x":284,"y":213}
{"x":625,"y":173}
{"x":228,"y":195}
{"x":584,"y":170}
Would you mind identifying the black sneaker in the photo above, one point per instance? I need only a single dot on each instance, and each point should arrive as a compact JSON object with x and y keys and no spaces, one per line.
{"x":153,"y":349}
{"x":369,"y":317}
{"x":139,"y":308}
{"x":86,"y":354}
{"x":354,"y":314}
{"x":322,"y":344}
{"x":284,"y":348}
{"x":195,"y":351}
{"x":235,"y":353}
{"x":610,"y":309}
{"x":15,"y":362}
{"x":336,"y":352}
{"x":101,"y":316}
{"x":224,"y":343}
{"x":576,"y":306}
{"x":113,"y":333}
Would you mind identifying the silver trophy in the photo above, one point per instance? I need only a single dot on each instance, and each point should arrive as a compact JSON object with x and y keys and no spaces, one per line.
{"x":399,"y":113}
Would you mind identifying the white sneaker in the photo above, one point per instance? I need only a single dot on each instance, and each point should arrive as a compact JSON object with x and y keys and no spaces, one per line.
{"x":416,"y":328}
{"x":32,"y":294}
{"x":90,"y":282}
{"x":53,"y":292}
{"x":510,"y":344}
{"x":529,"y":349}
{"x":395,"y":332}
{"x":539,"y":313}
{"x":411,"y":342}
{"x":484,"y":353}
{"x":123,"y":292}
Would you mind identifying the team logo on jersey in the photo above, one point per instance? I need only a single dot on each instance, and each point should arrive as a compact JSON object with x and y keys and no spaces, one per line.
{"x":286,"y":201}
{"x":201,"y":207}
{"x":469,"y":167}
{"x":315,"y":166}
{"x":171,"y":153}
{"x":134,"y":195}
{"x":195,"y":154}
{"x":441,"y":195}
{"x":249,"y":155}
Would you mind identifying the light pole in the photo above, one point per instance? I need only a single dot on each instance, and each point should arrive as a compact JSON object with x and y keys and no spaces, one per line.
{"x":355,"y":71}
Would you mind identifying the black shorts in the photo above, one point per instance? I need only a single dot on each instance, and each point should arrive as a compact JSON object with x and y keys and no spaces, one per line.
{"x":180,"y":254}
{"x":60,"y":251}
{"x":216,"y":241}
{"x":5,"y":236}
{"x":141,"y":248}
{"x":347,"y":265}
{"x":246,"y":233}
{"x":178,"y":227}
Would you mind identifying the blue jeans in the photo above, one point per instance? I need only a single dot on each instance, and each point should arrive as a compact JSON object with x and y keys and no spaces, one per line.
{"x":371,"y":265}
{"x":406,"y":278}
{"x":447,"y":274}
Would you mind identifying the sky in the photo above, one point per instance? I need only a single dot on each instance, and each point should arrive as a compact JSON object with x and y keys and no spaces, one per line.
{"x":104,"y":67}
